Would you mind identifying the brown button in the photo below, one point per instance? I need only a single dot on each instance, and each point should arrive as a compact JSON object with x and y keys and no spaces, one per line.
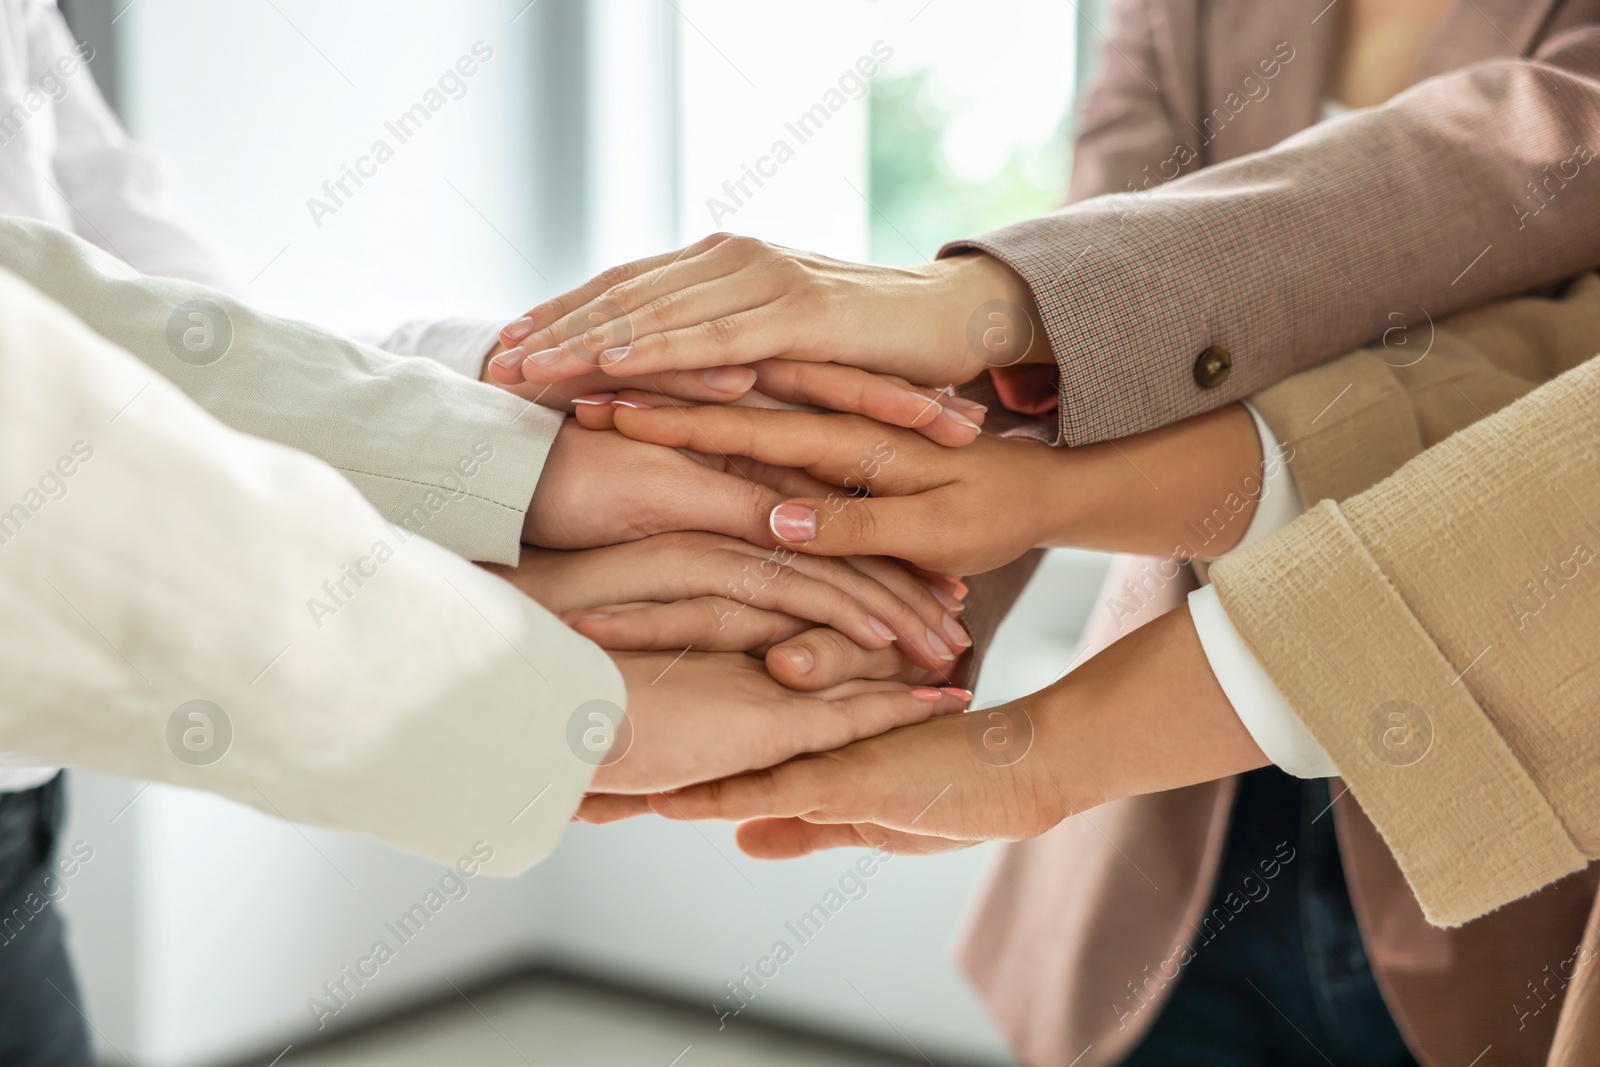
{"x":1212,"y":367}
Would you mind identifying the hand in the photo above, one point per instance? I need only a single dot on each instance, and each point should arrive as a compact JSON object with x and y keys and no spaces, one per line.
{"x":705,"y":715}
{"x":1182,"y":491}
{"x":717,"y":385}
{"x":853,"y":618}
{"x":1145,"y":715}
{"x":600,"y":488}
{"x":729,"y":300}
{"x":937,"y":507}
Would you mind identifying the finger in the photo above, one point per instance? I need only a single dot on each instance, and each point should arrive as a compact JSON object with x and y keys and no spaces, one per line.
{"x":887,"y":399}
{"x":936,"y":604}
{"x":554,"y":310}
{"x":906,"y":606}
{"x":758,"y":332}
{"x":707,"y":624}
{"x":602,"y":332}
{"x":821,"y":657}
{"x":918,"y":528}
{"x":593,"y":412}
{"x":777,"y":839}
{"x":789,"y":790}
{"x":611,"y":807}
{"x":718,"y":502}
{"x":847,"y":450}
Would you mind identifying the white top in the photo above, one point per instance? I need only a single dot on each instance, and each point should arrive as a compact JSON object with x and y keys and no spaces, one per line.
{"x":1260,"y":706}
{"x":66,"y":160}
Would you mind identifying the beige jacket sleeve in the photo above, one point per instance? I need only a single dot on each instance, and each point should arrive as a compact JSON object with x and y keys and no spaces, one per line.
{"x":348,"y":673}
{"x":1436,"y":633}
{"x":447,"y":457}
{"x":1351,"y":423}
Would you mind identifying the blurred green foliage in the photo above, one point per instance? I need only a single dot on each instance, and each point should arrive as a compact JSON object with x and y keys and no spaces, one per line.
{"x":919,"y":201}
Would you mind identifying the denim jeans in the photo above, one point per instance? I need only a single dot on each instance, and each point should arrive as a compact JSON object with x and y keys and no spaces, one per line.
{"x":1286,"y":981}
{"x":40,"y":1024}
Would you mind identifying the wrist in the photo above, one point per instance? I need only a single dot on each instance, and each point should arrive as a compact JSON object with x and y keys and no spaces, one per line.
{"x":1144,"y":715}
{"x":992,"y":315}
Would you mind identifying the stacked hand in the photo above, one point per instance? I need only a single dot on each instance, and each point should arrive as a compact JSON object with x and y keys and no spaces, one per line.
{"x":692,"y":539}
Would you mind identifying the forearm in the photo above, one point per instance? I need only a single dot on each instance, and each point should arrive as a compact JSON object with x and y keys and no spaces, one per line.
{"x":1144,"y":716}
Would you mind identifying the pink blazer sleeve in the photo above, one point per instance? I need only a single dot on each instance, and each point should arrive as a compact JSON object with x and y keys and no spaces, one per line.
{"x":1469,"y":187}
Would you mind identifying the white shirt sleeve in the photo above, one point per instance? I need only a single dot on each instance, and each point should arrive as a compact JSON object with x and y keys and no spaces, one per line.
{"x":1260,"y":706}
{"x":348,"y":673}
{"x":462,"y":345}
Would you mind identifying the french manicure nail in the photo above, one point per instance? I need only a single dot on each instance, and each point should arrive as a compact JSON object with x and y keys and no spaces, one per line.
{"x":938,"y":647}
{"x":946,"y":599}
{"x":511,"y":357}
{"x":519,"y":329}
{"x":545,"y":356}
{"x":958,"y":587}
{"x":956,"y":634}
{"x":595,"y":399}
{"x":616,"y":355}
{"x":960,"y":419}
{"x":968,"y":407}
{"x":956,"y":691}
{"x":634,"y":404}
{"x":800,"y":658}
{"x":729,"y":379}
{"x":881,"y":628}
{"x":793,"y":522}
{"x":927,"y":695}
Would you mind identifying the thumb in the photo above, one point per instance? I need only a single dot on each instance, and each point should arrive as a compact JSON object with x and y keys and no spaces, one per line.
{"x":840,"y":525}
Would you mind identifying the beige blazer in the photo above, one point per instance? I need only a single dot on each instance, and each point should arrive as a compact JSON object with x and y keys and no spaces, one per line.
{"x":1068,"y":924}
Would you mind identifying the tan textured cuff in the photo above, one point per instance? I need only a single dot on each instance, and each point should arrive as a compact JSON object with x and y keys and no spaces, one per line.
{"x":1466,"y":824}
{"x":1348,"y":425}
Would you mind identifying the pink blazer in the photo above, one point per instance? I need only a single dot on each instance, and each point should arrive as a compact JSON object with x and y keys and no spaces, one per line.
{"x":1290,"y":255}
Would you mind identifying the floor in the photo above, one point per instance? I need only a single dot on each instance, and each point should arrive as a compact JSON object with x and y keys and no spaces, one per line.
{"x":552,"y":1024}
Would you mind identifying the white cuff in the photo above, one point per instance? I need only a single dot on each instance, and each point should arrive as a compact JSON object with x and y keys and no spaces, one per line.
{"x":1279,"y":503}
{"x":1269,"y":718}
{"x":459,"y":344}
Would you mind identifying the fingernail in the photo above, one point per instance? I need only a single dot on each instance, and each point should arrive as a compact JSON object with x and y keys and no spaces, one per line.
{"x":960,"y":419}
{"x":595,"y":399}
{"x":946,"y":599}
{"x":881,"y":628}
{"x":958,"y":587}
{"x":571,"y":617}
{"x":729,"y":379}
{"x":616,"y":355}
{"x":927,"y":695}
{"x":800,"y":658}
{"x":519,"y":329}
{"x":970,"y":407}
{"x":545,"y":356}
{"x":634,"y":404}
{"x":511,"y":357}
{"x":956,"y":691}
{"x":956,"y":634}
{"x":938,"y":647}
{"x":793,"y":522}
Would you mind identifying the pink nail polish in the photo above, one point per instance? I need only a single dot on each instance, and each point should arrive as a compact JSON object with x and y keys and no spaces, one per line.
{"x":634,"y":404}
{"x":881,"y":628}
{"x":595,"y":399}
{"x":956,"y":634}
{"x":511,"y":357}
{"x":519,"y":329}
{"x":938,"y":647}
{"x":946,"y":600}
{"x":956,"y":691}
{"x":927,"y":695}
{"x":793,"y":522}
